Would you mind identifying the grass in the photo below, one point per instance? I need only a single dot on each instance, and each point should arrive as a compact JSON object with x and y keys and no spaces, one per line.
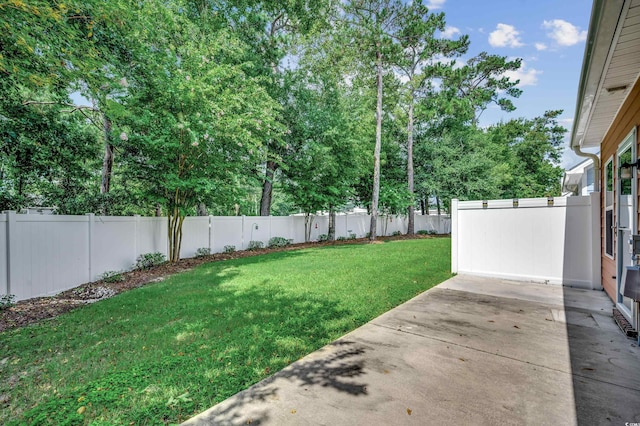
{"x":164,"y":352}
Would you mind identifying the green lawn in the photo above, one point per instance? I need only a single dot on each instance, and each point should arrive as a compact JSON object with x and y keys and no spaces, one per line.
{"x":166,"y":351}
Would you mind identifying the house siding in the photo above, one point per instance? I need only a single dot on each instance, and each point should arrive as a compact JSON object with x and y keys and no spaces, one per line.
{"x":626,"y":120}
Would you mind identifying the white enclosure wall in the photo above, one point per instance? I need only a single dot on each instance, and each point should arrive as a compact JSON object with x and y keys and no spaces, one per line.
{"x":108,"y":233}
{"x":195,"y":235}
{"x":534,"y":241}
{"x":226,"y":231}
{"x":42,"y":255}
{"x":3,"y":255}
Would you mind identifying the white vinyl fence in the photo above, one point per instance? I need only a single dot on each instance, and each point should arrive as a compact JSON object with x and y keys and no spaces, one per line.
{"x":556,"y":241}
{"x":43,"y":255}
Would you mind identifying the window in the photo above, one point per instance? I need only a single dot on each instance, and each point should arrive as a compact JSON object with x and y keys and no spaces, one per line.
{"x":608,"y":208}
{"x":590,"y":180}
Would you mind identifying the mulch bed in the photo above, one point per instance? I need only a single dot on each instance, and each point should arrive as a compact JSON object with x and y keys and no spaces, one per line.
{"x":30,"y":311}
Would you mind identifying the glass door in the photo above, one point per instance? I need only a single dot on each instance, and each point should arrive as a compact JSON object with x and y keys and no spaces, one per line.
{"x":626,"y":218}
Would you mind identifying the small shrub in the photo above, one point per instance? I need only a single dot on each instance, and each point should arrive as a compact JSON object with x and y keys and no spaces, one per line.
{"x":351,"y":237}
{"x":203,"y":251}
{"x":431,"y":232}
{"x":7,"y":301}
{"x":323,"y":237}
{"x":422,"y":232}
{"x":396,"y":233}
{"x":341,"y":239}
{"x":367,"y":235}
{"x":148,"y":260}
{"x":229,"y":249}
{"x":278,"y":242}
{"x":112,"y":277}
{"x":255,"y":245}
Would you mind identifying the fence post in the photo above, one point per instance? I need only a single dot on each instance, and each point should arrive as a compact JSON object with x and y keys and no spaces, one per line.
{"x":90,"y":224}
{"x":454,"y":235}
{"x":11,"y":239}
{"x":242,"y":235}
{"x":210,"y":234}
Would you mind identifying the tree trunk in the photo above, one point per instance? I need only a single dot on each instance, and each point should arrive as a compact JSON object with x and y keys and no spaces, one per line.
{"x":158,"y":210}
{"x":201,"y":210}
{"x":376,"y":154}
{"x":107,"y":162}
{"x":438,"y":204}
{"x":332,"y":224}
{"x":308,"y":221}
{"x":410,"y":210}
{"x":175,"y":221}
{"x":267,"y":188}
{"x":422,"y":207}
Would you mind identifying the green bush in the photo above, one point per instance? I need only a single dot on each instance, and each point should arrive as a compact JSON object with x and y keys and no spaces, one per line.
{"x":323,"y":237}
{"x":426,"y":232}
{"x":396,"y":233}
{"x":255,"y":245}
{"x":203,"y":251}
{"x":278,"y":242}
{"x":229,"y":249}
{"x":112,"y":277}
{"x":7,"y":301}
{"x":148,"y":260}
{"x":341,"y":239}
{"x":351,"y":237}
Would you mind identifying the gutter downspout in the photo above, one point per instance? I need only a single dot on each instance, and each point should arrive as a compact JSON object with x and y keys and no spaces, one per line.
{"x":596,"y":165}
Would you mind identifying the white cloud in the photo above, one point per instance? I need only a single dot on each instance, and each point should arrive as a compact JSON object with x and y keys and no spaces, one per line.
{"x":527,"y":76}
{"x":505,"y":36}
{"x":450,"y":32}
{"x":564,"y":33}
{"x":541,"y":46}
{"x":435,"y":4}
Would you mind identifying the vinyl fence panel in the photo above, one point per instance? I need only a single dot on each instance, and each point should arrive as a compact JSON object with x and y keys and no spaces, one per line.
{"x":4,"y":289}
{"x":553,"y":241}
{"x":42,"y":255}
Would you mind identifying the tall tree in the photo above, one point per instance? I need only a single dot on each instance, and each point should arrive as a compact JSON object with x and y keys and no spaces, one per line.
{"x":420,"y":61}
{"x":192,"y":118}
{"x":369,"y":26}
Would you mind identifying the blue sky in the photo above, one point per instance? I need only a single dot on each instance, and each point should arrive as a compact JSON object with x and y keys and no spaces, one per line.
{"x":549,"y":36}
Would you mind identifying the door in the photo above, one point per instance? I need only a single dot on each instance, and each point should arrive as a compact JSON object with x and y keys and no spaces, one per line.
{"x":626,"y":218}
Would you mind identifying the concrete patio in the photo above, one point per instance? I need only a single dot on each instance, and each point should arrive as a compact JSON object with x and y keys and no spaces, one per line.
{"x":469,"y":351}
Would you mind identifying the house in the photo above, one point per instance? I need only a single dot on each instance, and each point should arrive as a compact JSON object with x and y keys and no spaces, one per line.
{"x":607,"y":117}
{"x":579,"y":179}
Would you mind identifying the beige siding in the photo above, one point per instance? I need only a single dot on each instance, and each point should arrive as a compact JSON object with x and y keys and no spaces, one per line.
{"x":628,"y":117}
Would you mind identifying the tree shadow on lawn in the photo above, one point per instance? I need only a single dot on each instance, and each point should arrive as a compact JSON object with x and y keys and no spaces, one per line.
{"x":153,"y":344}
{"x":335,"y":366}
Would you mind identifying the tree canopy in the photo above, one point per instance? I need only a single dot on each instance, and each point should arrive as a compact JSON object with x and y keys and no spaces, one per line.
{"x":185,"y":107}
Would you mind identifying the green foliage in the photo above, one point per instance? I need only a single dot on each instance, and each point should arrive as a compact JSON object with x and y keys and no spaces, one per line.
{"x":351,"y":237}
{"x":278,"y":242}
{"x":323,"y":237}
{"x":341,"y":238}
{"x":6,"y":301}
{"x":426,"y":232}
{"x":396,"y":233}
{"x":203,"y":252}
{"x":149,"y":260}
{"x":255,"y":245}
{"x":111,"y":277}
{"x":212,"y":332}
{"x":229,"y":249}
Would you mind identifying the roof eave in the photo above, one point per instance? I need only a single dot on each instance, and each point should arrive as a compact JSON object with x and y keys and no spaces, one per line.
{"x":605,"y":17}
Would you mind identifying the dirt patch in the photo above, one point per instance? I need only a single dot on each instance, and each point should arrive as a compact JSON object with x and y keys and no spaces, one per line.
{"x":37,"y":309}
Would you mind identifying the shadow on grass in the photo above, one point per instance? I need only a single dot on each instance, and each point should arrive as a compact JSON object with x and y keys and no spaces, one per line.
{"x":338,"y":366}
{"x":165,"y":352}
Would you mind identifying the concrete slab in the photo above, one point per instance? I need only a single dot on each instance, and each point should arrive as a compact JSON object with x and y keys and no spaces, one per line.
{"x":469,"y":351}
